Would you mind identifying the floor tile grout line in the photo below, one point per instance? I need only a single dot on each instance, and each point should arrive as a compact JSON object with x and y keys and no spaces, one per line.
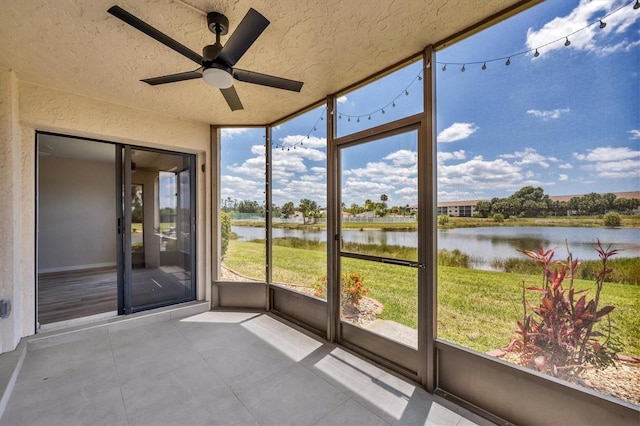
{"x":218,"y":375}
{"x":115,"y":365}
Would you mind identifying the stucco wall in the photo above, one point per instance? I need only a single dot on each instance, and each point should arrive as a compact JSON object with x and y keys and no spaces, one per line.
{"x":11,"y":201}
{"x":26,"y":108}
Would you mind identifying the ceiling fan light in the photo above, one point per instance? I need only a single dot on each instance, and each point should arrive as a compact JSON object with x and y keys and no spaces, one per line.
{"x":217,"y":77}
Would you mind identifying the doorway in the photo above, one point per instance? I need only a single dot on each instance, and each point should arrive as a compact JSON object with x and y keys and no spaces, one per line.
{"x":380,"y":262}
{"x":115,"y":229}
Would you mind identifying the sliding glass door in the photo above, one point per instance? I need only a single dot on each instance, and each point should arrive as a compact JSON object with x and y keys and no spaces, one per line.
{"x":115,"y":229}
{"x":159,"y":220}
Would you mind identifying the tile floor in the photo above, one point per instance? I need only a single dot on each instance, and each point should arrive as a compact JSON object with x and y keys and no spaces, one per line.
{"x":216,"y":368}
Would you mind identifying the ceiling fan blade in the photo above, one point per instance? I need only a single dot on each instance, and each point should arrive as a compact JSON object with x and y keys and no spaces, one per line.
{"x":249,"y":29}
{"x":172,"y":78}
{"x":231,"y":96}
{"x":128,"y":18}
{"x":267,"y":80}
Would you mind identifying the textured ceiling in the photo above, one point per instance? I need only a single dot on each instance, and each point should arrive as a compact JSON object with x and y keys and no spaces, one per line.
{"x":76,"y":46}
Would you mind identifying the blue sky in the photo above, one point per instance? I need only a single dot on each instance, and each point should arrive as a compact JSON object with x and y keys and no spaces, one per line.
{"x":567,"y":120}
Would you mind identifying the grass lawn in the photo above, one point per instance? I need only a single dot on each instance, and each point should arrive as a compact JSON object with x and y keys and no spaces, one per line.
{"x":476,"y":309}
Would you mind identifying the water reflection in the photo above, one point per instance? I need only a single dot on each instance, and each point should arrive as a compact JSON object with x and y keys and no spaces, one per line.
{"x":483,"y":244}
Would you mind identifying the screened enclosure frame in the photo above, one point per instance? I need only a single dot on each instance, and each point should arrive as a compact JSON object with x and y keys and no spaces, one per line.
{"x":484,"y":384}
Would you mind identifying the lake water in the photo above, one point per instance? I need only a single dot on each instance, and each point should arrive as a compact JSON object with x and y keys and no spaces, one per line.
{"x":483,"y":244}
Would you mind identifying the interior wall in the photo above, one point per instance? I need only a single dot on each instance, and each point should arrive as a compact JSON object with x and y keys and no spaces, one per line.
{"x":149,"y":180}
{"x":77,"y":214}
{"x":26,"y":108}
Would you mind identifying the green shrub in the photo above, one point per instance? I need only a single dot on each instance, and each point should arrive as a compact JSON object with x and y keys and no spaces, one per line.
{"x":498,"y":217}
{"x":225,"y":232}
{"x":443,"y":219}
{"x":612,"y":219}
{"x":453,"y":258}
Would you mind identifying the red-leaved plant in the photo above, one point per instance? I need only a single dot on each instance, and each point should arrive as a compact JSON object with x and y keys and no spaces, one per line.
{"x":557,"y":336}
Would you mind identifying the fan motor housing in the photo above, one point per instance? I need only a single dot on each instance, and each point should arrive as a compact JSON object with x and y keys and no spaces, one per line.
{"x":217,"y":22}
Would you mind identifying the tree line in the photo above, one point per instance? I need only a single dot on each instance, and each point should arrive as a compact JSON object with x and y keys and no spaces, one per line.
{"x":533,"y":202}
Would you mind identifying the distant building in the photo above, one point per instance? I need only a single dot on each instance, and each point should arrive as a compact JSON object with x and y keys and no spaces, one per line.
{"x":458,"y":208}
{"x":467,"y":208}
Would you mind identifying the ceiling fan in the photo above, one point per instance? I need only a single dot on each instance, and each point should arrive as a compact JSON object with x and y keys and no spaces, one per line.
{"x":216,"y":62}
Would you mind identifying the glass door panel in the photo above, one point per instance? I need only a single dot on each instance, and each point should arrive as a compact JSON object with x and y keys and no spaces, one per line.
{"x":379,"y":237}
{"x":161,"y":217}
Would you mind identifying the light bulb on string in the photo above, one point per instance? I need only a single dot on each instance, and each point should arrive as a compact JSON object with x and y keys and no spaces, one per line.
{"x":508,"y":62}
{"x":567,"y":42}
{"x":535,"y":55}
{"x":463,"y":69}
{"x":383,"y":110}
{"x":602,"y":24}
{"x":406,"y":92}
{"x":393,"y":104}
{"x":444,"y":68}
{"x":339,"y":116}
{"x":358,"y":120}
{"x":369,"y":117}
{"x":637,"y":5}
{"x":314,"y":129}
{"x":419,"y":78}
{"x":349,"y":119}
{"x":484,"y":66}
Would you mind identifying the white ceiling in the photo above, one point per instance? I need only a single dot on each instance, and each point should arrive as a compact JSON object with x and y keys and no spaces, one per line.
{"x":76,"y":46}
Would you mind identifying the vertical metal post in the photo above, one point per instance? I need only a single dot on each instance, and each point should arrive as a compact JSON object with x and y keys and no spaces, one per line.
{"x":126,"y":231}
{"x":216,"y":235}
{"x":427,"y":232}
{"x":333,"y":231}
{"x":268,"y":215}
{"x":120,"y":228}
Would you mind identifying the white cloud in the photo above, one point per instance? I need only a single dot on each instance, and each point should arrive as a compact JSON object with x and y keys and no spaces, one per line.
{"x":303,"y":140}
{"x":635,"y":134}
{"x":457,"y":131}
{"x":611,"y":163}
{"x":229,"y":132}
{"x":528,"y":156}
{"x":341,"y":99}
{"x":319,"y":170}
{"x":608,"y":154}
{"x":565,"y":166}
{"x":592,"y":38}
{"x":480,"y":174}
{"x":549,"y":114}
{"x":403,"y":157}
{"x":562,"y":177}
{"x":456,"y":155}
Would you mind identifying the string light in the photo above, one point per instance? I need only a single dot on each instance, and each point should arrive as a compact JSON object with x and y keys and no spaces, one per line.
{"x":484,"y":66}
{"x":463,"y":69}
{"x":535,"y":50}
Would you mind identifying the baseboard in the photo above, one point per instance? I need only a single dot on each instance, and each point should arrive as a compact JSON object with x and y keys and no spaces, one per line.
{"x":76,"y":267}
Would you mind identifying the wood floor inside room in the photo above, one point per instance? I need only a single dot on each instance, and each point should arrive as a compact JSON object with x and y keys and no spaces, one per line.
{"x":76,"y":294}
